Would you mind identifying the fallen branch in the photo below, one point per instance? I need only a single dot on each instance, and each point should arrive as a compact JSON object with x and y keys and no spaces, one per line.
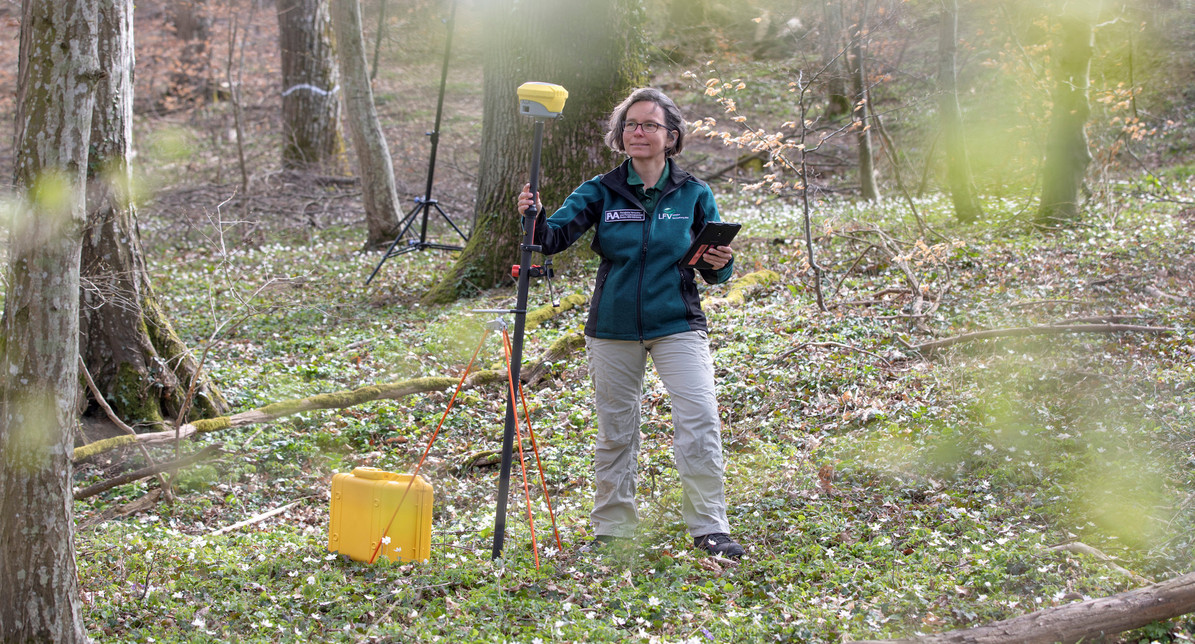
{"x":743,"y":287}
{"x":561,"y":348}
{"x":393,"y":391}
{"x":274,"y":411}
{"x":149,"y":500}
{"x":136,"y":475}
{"x":1080,"y":548}
{"x":1084,"y":621}
{"x":120,"y":424}
{"x":254,"y":519}
{"x":795,"y":350}
{"x":1016,"y":332}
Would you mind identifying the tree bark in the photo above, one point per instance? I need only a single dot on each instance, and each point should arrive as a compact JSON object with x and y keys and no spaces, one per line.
{"x":594,"y":48}
{"x":868,"y":187}
{"x":39,"y":363}
{"x":958,"y":167}
{"x":1067,"y":153}
{"x":837,"y":103}
{"x":310,"y":88}
{"x":375,"y":167}
{"x":1084,"y":621}
{"x":136,"y":359}
{"x":191,"y":80}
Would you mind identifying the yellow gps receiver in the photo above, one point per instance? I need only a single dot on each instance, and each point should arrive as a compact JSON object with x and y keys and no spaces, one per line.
{"x":541,"y":100}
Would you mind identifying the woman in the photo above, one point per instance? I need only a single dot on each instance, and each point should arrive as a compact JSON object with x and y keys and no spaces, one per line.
{"x":646,"y":212}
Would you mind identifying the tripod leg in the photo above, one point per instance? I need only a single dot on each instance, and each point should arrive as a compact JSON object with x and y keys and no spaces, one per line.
{"x":406,"y":225}
{"x":450,"y":222}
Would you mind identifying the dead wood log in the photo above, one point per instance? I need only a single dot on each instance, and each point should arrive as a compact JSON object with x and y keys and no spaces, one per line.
{"x":561,"y":348}
{"x":342,"y":399}
{"x":145,"y":472}
{"x":274,"y":411}
{"x":1081,"y":621}
{"x":1015,"y":332}
{"x":743,"y":287}
{"x":545,"y":313}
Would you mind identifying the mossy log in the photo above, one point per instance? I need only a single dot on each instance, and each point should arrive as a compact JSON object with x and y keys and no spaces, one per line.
{"x":274,"y":411}
{"x":744,"y":287}
{"x":561,"y":348}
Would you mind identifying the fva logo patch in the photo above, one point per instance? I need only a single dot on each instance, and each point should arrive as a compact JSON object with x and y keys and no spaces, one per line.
{"x":625,"y":215}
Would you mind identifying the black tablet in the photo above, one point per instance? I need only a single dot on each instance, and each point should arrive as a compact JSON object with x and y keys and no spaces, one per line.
{"x":713,"y":233}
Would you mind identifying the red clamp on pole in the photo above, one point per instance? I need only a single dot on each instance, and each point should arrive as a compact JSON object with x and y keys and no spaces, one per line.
{"x":535,"y":270}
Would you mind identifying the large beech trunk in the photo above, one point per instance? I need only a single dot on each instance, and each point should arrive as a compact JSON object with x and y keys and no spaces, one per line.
{"x":127,"y":343}
{"x":593,"y":48}
{"x":310,"y":87}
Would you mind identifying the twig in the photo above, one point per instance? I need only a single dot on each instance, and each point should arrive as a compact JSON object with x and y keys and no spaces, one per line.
{"x":794,"y":350}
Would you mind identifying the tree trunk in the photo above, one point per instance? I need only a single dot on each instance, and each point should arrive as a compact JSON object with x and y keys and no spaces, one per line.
{"x":1085,"y":621}
{"x":958,"y":168}
{"x":310,"y":88}
{"x":379,"y":194}
{"x":128,"y":345}
{"x":604,"y":61}
{"x":869,"y":188}
{"x":833,"y":65}
{"x":39,"y":368}
{"x":191,"y":80}
{"x":1067,"y":154}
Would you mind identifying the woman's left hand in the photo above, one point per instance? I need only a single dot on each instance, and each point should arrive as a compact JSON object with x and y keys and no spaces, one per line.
{"x":718,"y":256}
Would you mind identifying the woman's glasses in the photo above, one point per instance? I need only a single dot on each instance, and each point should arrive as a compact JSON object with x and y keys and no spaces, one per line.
{"x":648,"y":128}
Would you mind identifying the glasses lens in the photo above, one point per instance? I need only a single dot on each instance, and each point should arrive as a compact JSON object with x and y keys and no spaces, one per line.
{"x":648,"y":128}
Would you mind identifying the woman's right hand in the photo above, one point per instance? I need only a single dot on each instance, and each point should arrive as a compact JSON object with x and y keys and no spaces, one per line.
{"x":525,"y":200}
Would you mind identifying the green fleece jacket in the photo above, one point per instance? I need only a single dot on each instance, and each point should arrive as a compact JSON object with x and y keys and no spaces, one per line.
{"x":642,"y":291}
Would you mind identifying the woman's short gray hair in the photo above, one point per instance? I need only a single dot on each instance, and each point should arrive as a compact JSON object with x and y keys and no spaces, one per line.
{"x":673,"y":121}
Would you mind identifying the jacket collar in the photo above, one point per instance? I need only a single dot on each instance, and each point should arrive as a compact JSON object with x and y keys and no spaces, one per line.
{"x":616,"y":179}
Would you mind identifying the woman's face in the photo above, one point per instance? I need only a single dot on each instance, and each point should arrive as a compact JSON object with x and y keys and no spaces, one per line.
{"x":639,"y":144}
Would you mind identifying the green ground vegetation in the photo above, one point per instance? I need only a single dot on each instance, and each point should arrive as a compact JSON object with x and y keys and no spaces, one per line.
{"x":878,"y":492}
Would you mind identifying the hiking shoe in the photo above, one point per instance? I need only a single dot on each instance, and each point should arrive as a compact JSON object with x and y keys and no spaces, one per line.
{"x":603,"y":543}
{"x":719,"y":544}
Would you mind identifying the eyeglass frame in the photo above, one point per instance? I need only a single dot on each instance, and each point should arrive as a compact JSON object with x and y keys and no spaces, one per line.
{"x":631,"y":126}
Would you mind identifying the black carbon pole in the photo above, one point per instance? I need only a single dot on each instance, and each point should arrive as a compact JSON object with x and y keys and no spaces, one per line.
{"x":516,"y":351}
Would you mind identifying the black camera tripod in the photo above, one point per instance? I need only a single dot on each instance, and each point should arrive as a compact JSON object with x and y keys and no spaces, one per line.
{"x":424,"y":204}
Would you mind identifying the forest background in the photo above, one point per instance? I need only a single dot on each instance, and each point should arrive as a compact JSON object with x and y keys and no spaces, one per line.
{"x":936,"y":415}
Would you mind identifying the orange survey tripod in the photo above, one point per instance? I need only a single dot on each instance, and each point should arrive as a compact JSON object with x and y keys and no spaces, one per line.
{"x":541,"y":101}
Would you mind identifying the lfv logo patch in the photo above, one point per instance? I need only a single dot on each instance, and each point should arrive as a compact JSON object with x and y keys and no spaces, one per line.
{"x":669,"y":213}
{"x":625,"y":215}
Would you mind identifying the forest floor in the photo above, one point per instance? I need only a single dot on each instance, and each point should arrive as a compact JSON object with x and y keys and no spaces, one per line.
{"x":880,"y":490}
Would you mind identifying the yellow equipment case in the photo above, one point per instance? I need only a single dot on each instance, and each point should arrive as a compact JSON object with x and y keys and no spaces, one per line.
{"x":363,"y":504}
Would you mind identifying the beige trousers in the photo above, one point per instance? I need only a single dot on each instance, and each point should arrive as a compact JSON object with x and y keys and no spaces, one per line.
{"x":685,"y":367}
